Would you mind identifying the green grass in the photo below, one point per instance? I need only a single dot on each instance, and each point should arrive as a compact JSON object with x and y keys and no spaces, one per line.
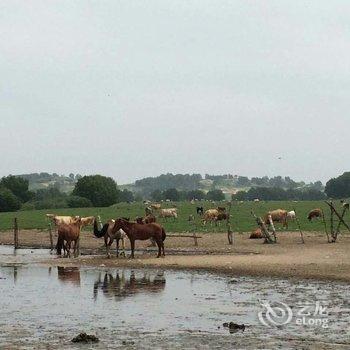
{"x":241,"y":218}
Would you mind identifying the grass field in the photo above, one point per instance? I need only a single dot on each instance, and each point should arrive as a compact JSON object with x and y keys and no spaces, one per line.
{"x":241,"y":218}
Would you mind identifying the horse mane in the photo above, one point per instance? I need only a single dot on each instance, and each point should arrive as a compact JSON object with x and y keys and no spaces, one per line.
{"x":103,"y":230}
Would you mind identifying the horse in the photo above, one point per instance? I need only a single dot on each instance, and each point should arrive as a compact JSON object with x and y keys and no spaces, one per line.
{"x":142,"y":232}
{"x":315,"y":213}
{"x":200,"y":210}
{"x":109,"y":237}
{"x":66,"y":235}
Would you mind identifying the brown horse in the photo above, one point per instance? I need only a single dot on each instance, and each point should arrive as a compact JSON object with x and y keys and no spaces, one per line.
{"x":142,"y":232}
{"x":66,"y":235}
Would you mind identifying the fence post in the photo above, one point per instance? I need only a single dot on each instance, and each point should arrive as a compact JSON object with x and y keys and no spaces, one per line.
{"x":15,"y":232}
{"x":195,"y":239}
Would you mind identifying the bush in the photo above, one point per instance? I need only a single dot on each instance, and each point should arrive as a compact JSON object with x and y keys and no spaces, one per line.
{"x":215,"y":195}
{"x":8,"y":201}
{"x":100,"y":190}
{"x":78,"y":202}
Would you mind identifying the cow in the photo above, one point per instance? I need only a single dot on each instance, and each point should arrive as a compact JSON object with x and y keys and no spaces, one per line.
{"x":221,"y":209}
{"x":156,"y":206}
{"x":168,"y":213}
{"x":210,"y":215}
{"x":86,"y":221}
{"x":257,"y":234}
{"x":315,"y":213}
{"x":278,"y":215}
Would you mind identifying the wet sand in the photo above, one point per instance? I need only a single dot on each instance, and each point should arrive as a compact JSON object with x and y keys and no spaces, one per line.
{"x":316,"y":259}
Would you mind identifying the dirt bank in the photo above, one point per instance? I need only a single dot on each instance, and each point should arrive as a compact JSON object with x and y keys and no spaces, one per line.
{"x":289,"y":258}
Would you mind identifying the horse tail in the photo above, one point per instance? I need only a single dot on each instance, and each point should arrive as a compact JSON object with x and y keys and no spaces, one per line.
{"x":103,"y":231}
{"x":163,"y":234}
{"x":59,"y":245}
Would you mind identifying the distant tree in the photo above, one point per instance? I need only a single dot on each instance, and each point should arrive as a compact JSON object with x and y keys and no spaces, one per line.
{"x":78,"y":202}
{"x":196,"y":194}
{"x":100,"y":190}
{"x":8,"y":201}
{"x":215,"y":195}
{"x":18,"y":186}
{"x":125,"y":196}
{"x":172,"y":194}
{"x":156,"y":195}
{"x":243,"y":181}
{"x":339,"y":187}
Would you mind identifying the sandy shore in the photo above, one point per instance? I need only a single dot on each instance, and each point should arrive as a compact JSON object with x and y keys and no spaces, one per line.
{"x":316,"y":259}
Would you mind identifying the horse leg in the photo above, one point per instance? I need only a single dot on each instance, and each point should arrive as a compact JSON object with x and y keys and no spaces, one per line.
{"x":106,"y":245}
{"x":109,"y":247}
{"x":132,"y":244}
{"x":159,"y":244}
{"x":117,"y":246}
{"x":76,"y":248}
{"x":123,"y":245}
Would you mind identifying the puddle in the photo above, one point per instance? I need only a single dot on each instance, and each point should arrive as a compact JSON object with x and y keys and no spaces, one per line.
{"x":43,"y":308}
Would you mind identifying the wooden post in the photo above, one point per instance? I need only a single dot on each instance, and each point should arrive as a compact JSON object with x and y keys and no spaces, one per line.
{"x":15,"y":232}
{"x":273,"y":228}
{"x":228,"y":224}
{"x":264,"y":229}
{"x":50,"y":235}
{"x":298,"y":223}
{"x":332,"y":220}
{"x":195,"y":239}
{"x":334,"y":233}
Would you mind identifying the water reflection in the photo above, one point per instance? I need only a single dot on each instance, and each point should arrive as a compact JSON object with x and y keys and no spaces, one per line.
{"x":121,"y":286}
{"x":69,"y":275}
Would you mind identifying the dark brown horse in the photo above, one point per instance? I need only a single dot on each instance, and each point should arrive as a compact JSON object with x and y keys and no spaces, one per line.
{"x":66,"y":235}
{"x":142,"y":232}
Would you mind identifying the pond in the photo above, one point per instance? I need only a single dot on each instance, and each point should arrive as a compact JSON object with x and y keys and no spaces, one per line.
{"x":45,"y":307}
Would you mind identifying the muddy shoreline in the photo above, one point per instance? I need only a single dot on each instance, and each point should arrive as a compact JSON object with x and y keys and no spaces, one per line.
{"x":315,"y":260}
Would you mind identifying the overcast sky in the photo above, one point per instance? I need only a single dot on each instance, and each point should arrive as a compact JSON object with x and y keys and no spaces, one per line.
{"x":131,"y":89}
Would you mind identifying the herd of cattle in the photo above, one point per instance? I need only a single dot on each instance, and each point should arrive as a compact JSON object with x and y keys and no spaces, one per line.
{"x":146,"y":227}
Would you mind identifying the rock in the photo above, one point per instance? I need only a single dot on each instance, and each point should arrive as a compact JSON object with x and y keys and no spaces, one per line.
{"x":234,"y":327}
{"x":85,"y":338}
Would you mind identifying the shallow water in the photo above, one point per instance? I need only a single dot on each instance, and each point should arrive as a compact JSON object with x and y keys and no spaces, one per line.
{"x":45,"y":308}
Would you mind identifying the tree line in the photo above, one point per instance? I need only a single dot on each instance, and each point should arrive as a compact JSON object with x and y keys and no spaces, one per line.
{"x":89,"y":191}
{"x":174,"y":195}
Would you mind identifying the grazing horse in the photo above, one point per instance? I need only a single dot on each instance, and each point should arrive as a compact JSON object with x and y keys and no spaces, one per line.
{"x":315,"y":213}
{"x":109,"y":236}
{"x":142,"y":232}
{"x":200,"y":210}
{"x":278,"y":215}
{"x":66,"y":235}
{"x":168,"y":213}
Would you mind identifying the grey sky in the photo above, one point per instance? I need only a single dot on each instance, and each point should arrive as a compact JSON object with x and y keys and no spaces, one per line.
{"x":138,"y":88}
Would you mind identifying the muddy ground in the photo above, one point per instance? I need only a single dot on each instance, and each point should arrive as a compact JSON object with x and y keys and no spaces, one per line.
{"x":316,"y":259}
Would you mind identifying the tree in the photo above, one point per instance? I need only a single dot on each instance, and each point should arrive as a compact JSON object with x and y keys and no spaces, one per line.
{"x":215,"y":195}
{"x":8,"y":201}
{"x":339,"y":187}
{"x":172,"y":194}
{"x":78,"y":202}
{"x":125,"y":196}
{"x":157,"y":195}
{"x":100,"y":190}
{"x":196,"y":194}
{"x":18,"y":186}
